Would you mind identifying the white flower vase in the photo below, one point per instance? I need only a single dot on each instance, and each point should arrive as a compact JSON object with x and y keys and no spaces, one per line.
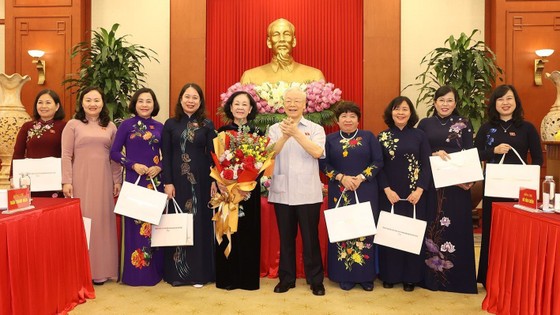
{"x":550,"y":124}
{"x":12,"y":117}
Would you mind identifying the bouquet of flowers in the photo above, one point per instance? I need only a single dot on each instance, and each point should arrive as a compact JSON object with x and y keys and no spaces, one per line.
{"x":321,"y":96}
{"x":239,"y":158}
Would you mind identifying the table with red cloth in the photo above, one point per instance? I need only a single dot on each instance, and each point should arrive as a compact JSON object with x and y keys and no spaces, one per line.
{"x":524,"y":265}
{"x":44,"y":262}
{"x":270,"y":242}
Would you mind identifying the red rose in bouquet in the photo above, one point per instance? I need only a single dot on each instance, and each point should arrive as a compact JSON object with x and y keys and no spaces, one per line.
{"x":239,"y":157}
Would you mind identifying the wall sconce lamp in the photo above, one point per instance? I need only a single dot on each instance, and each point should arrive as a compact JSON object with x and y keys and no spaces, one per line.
{"x":539,"y":63}
{"x":41,"y":67}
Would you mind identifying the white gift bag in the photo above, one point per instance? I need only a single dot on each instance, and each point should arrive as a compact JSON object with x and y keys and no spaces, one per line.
{"x":400,"y":232}
{"x":462,"y":167}
{"x":504,"y":180}
{"x":175,"y":229}
{"x":350,"y":222}
{"x":141,"y":203}
{"x":45,"y":174}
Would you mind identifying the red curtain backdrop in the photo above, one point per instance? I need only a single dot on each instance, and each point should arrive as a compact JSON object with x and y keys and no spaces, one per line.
{"x":329,"y":37}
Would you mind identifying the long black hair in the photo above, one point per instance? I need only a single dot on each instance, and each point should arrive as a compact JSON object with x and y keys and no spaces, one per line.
{"x":104,"y":118}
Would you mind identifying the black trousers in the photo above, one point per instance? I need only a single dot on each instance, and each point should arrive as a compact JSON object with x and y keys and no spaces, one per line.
{"x":288,"y":218}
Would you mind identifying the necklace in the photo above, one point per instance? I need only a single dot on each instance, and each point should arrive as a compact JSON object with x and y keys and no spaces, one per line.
{"x":343,"y":137}
{"x":505,"y":129}
{"x":443,"y":123}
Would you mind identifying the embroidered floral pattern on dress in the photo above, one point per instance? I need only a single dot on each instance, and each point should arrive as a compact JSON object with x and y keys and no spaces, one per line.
{"x":186,"y":168}
{"x":141,"y":130}
{"x":350,"y":252}
{"x":439,"y":251}
{"x":350,"y":144}
{"x":489,"y":137}
{"x":456,"y":131}
{"x":413,"y":170}
{"x":39,"y":128}
{"x":141,"y":257}
{"x":386,"y":139}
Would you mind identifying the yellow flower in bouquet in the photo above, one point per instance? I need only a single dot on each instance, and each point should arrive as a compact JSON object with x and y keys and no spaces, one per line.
{"x":239,"y":158}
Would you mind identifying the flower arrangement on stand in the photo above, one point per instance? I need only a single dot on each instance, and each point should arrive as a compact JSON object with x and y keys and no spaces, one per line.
{"x":239,"y":158}
{"x":321,"y":97}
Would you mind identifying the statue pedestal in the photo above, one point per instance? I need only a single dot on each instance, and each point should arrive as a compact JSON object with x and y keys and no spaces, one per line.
{"x":12,"y":117}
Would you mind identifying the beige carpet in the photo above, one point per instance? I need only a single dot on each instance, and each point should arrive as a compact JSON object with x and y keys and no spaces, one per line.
{"x":114,"y":298}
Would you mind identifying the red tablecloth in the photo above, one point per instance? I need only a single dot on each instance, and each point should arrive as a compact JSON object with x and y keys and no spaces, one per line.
{"x":270,"y":242}
{"x":524,"y":265}
{"x":44,"y":263}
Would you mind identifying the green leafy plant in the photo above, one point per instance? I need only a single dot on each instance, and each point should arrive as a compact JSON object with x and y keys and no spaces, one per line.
{"x":113,"y":64}
{"x":467,"y":65}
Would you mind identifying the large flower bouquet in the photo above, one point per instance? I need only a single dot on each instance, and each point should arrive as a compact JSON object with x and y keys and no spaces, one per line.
{"x":321,"y":97}
{"x":239,"y":158}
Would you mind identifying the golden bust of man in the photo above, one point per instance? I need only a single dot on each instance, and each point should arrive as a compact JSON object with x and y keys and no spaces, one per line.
{"x":281,"y":39}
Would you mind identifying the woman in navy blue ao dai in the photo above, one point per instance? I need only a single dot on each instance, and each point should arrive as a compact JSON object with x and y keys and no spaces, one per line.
{"x":504,"y":130}
{"x":352,"y":160}
{"x":449,"y":252}
{"x":405,"y":175}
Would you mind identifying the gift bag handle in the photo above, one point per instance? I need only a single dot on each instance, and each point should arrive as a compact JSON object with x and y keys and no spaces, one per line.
{"x":514,"y":151}
{"x":177,"y":208}
{"x":355,"y":194}
{"x":138,"y":180}
{"x":413,"y":209}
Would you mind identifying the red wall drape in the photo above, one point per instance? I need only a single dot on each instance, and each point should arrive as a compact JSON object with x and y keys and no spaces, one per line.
{"x":329,"y":37}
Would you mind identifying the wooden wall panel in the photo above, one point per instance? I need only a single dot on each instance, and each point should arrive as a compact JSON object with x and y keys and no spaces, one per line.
{"x":42,"y":3}
{"x":382,"y":64}
{"x":53,"y":26}
{"x":51,"y":35}
{"x":527,"y":32}
{"x":187,"y":46}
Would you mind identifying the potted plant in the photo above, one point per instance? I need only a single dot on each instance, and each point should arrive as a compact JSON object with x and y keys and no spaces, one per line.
{"x":467,"y":65}
{"x":113,"y":64}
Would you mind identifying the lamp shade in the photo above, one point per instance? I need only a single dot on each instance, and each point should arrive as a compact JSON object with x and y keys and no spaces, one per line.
{"x":36,"y":53}
{"x":544,"y":52}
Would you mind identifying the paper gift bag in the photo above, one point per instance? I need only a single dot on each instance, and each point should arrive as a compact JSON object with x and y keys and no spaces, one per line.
{"x":462,"y":167}
{"x":504,"y":180}
{"x":141,"y":203}
{"x":174,"y":229}
{"x":45,"y":174}
{"x":87,"y":228}
{"x":350,"y":222}
{"x":400,"y":232}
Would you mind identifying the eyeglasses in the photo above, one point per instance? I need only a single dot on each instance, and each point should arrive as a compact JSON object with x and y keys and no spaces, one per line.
{"x":443,"y":101}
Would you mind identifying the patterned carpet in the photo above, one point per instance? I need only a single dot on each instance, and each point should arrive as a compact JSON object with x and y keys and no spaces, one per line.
{"x":114,"y":298}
